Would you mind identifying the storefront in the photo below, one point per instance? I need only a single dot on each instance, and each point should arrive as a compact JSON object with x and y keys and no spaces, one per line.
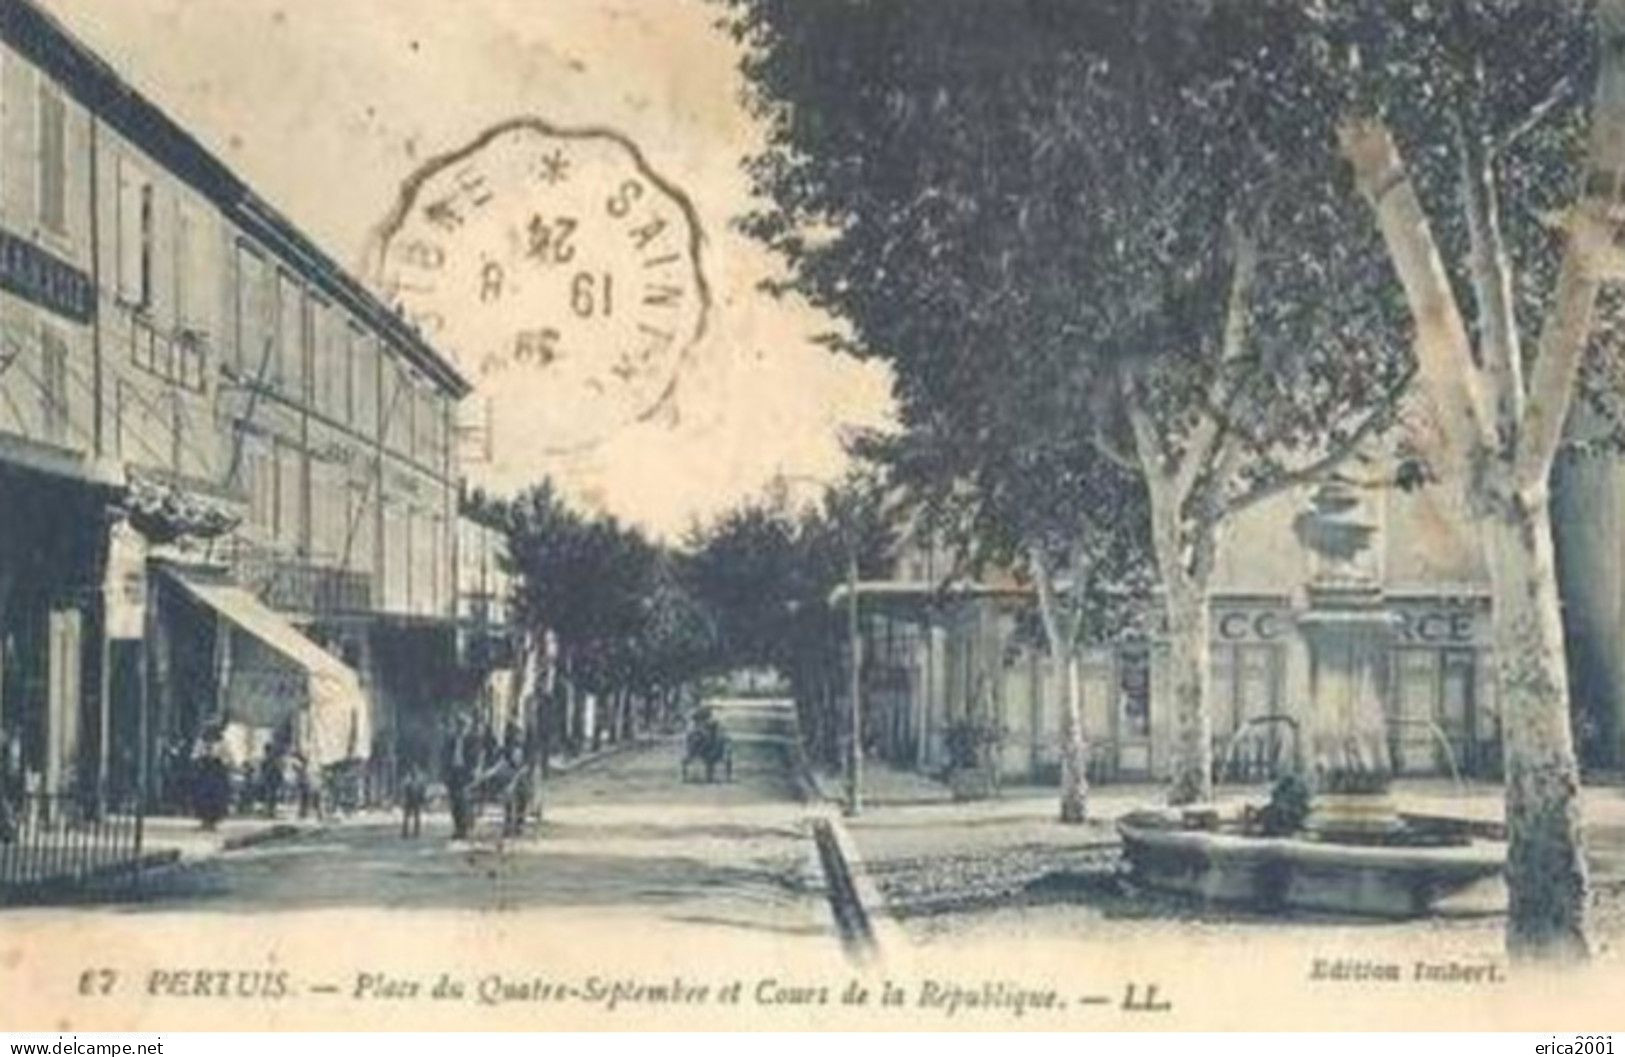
{"x":927,"y":670}
{"x":54,"y":731}
{"x":1440,"y":695}
{"x":221,"y":660}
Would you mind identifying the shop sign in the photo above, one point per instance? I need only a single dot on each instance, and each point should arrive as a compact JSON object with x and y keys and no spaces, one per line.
{"x":1250,"y":624}
{"x":41,"y":277}
{"x":1437,"y":625}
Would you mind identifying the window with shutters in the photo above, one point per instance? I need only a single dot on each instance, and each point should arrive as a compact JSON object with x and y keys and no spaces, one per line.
{"x":53,"y":159}
{"x":359,"y":550}
{"x":331,"y":367}
{"x":290,"y":335}
{"x":254,"y":359}
{"x":399,"y":406}
{"x":396,"y":556}
{"x":438,"y":564}
{"x":259,"y":473}
{"x":328,"y":502}
{"x":426,"y":448}
{"x":290,"y":497}
{"x":54,"y":384}
{"x":321,"y":378}
{"x":191,"y":270}
{"x":364,"y":383}
{"x":134,"y":235}
{"x":417,"y":565}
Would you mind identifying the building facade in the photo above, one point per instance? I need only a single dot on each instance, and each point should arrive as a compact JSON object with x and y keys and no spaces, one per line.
{"x":228,"y":489}
{"x":487,"y":646}
{"x":935,"y":657}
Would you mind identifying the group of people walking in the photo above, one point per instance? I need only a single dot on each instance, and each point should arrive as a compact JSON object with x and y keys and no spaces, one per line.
{"x":475,"y":768}
{"x":206,"y":777}
{"x":210,"y":779}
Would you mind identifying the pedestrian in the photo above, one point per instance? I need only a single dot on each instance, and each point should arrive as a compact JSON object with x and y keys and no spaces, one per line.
{"x":516,"y":793}
{"x":211,"y":779}
{"x":305,"y":788}
{"x":458,"y":770}
{"x":413,"y":794}
{"x":271,"y":782}
{"x":176,"y":776}
{"x":245,"y":782}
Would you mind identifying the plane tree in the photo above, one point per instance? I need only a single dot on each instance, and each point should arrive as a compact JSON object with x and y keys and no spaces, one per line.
{"x":765,"y":571}
{"x":1487,"y":139}
{"x":1084,"y":226}
{"x":1021,"y":493}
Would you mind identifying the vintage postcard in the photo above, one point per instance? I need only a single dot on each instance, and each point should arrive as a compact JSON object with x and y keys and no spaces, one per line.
{"x":789,"y":514}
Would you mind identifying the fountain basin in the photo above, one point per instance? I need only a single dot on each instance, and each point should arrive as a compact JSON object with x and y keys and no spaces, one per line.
{"x":1275,"y":873}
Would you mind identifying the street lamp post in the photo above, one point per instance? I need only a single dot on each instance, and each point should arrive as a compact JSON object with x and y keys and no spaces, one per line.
{"x":854,"y":748}
{"x":854,"y":752}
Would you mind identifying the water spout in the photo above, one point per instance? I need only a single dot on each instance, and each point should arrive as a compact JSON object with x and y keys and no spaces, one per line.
{"x":1444,"y":743}
{"x":1247,"y":728}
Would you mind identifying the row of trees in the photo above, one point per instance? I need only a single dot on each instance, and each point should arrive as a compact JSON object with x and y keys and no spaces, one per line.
{"x":1139,"y":265}
{"x":766,"y":571}
{"x":606,"y":616}
{"x":612,"y":616}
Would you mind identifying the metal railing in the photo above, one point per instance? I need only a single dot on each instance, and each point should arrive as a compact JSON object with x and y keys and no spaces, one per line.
{"x":63,"y":846}
{"x":300,"y":586}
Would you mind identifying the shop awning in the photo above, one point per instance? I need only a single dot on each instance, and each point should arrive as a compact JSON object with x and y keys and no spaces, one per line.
{"x":335,"y":723}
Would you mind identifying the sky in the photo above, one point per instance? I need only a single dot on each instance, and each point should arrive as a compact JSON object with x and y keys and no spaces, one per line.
{"x":327,"y":107}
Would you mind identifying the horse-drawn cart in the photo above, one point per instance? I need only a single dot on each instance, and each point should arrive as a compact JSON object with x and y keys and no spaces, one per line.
{"x":708,"y":745}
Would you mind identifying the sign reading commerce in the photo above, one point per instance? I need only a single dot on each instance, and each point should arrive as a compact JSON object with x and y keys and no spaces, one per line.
{"x":559,"y":269}
{"x":44,"y":279}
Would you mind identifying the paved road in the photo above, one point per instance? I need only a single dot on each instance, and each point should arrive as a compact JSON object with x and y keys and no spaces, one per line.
{"x":622,"y":834}
{"x":634,"y":878}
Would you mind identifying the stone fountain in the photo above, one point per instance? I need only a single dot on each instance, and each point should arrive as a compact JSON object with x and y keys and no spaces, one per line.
{"x":1347,"y":627}
{"x":1354,"y":853}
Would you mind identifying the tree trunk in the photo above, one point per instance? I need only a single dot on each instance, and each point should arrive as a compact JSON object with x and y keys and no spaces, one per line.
{"x":1547,"y":879}
{"x":545,"y":705}
{"x":1546,"y":871}
{"x":1064,"y":664}
{"x":541,"y":685}
{"x":567,"y":704}
{"x":1188,"y":675}
{"x":831,"y":724}
{"x":1074,"y":748}
{"x":578,"y":719}
{"x":1186,"y":607}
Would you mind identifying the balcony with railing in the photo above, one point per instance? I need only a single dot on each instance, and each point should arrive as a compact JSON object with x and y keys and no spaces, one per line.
{"x":301,"y":585}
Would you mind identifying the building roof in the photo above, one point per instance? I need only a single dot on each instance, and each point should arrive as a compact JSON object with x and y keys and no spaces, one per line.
{"x":90,"y":80}
{"x":927,"y":591}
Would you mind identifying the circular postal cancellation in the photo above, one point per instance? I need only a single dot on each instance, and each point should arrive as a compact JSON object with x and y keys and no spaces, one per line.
{"x":558,"y":270}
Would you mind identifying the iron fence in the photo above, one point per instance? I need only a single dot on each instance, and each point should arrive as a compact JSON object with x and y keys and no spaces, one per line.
{"x":301,"y":585}
{"x":64,"y":846}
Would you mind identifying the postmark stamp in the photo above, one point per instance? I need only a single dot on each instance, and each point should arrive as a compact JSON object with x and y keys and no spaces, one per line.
{"x":558,"y":269}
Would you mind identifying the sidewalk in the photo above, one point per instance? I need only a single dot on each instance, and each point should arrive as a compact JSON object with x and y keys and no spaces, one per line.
{"x":928,"y":853}
{"x":560,"y":766}
{"x":190,"y":842}
{"x":902,"y":794}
